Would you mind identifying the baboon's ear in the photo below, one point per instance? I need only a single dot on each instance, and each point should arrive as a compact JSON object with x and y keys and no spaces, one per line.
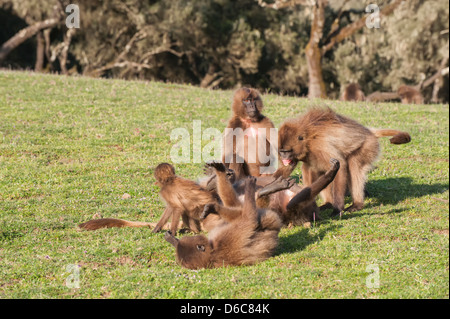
{"x":200,"y":247}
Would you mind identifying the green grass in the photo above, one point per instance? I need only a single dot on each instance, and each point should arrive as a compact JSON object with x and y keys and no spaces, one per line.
{"x":71,"y":147}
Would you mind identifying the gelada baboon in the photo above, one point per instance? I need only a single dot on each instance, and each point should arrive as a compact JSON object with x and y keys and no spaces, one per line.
{"x":353,"y":92}
{"x":294,"y":204}
{"x":410,"y":95}
{"x":247,"y":136}
{"x":249,"y":236}
{"x":184,"y":198}
{"x":321,"y":134}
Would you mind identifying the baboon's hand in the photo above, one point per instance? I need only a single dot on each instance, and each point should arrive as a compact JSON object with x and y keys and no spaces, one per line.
{"x":157,"y":229}
{"x":250,"y":181}
{"x":230,"y":174}
{"x":218,"y":166}
{"x":208,"y":209}
{"x":290,"y":182}
{"x":335,"y":164}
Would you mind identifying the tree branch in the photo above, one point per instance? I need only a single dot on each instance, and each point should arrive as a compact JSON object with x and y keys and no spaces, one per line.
{"x":282,"y":4}
{"x":24,"y":35}
{"x":357,"y":25}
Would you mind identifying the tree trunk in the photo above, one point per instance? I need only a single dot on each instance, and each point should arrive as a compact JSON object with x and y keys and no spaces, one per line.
{"x":24,"y":35}
{"x":40,"y":52}
{"x":65,"y":50}
{"x":316,"y":87}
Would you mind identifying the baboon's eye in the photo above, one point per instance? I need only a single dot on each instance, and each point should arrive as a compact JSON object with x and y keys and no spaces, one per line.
{"x":300,"y":138}
{"x":201,"y":247}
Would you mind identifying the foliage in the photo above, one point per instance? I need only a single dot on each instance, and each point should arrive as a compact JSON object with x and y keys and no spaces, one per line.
{"x":226,"y":44}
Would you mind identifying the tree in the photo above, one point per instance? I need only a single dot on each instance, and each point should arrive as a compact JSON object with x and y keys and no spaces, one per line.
{"x":411,"y":48}
{"x":314,"y":50}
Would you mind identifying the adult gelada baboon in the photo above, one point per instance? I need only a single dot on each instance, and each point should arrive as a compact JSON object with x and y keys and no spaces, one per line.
{"x":321,"y":134}
{"x":249,"y":136}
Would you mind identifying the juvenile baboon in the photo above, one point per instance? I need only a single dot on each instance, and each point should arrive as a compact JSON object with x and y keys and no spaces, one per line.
{"x":294,"y":204}
{"x":353,"y":92}
{"x":249,"y":236}
{"x":410,"y":95}
{"x":243,"y":131}
{"x":321,"y":134}
{"x":184,"y":198}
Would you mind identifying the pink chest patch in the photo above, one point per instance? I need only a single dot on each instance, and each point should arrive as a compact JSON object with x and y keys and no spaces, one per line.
{"x":251,"y":131}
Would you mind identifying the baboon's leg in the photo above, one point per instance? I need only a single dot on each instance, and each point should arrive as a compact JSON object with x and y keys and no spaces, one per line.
{"x":227,"y":213}
{"x":225,"y":189}
{"x":310,"y":192}
{"x":163,"y":220}
{"x":176,"y":215}
{"x":337,"y":190}
{"x":359,"y":165}
{"x":249,"y":208}
{"x":190,"y":223}
{"x":277,"y":185}
{"x":308,"y":175}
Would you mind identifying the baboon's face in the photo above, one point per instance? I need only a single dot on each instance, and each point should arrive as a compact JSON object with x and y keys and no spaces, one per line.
{"x":192,"y":252}
{"x":292,"y":144}
{"x":250,"y":102}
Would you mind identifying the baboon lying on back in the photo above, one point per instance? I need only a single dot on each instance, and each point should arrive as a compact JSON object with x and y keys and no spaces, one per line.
{"x":321,"y":134}
{"x":184,"y":198}
{"x":294,"y":204}
{"x":248,"y":236}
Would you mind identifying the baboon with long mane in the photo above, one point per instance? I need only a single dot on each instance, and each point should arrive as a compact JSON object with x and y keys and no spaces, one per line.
{"x":321,"y":134}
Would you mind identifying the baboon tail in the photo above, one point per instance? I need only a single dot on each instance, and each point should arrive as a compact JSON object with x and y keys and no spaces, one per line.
{"x":398,"y":137}
{"x":111,"y":223}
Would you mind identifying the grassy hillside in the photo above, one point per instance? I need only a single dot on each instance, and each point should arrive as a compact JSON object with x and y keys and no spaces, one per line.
{"x":72,"y":147}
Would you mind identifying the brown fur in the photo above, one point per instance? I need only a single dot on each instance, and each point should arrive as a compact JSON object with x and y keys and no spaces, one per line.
{"x":353,"y":92}
{"x":249,"y":123}
{"x":248,"y":236}
{"x":320,"y":135}
{"x":112,"y":223}
{"x":410,"y":95}
{"x":294,"y":204}
{"x":184,"y":198}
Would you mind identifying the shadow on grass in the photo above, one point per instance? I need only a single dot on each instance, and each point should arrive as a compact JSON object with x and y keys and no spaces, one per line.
{"x":302,"y":238}
{"x":394,"y":190}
